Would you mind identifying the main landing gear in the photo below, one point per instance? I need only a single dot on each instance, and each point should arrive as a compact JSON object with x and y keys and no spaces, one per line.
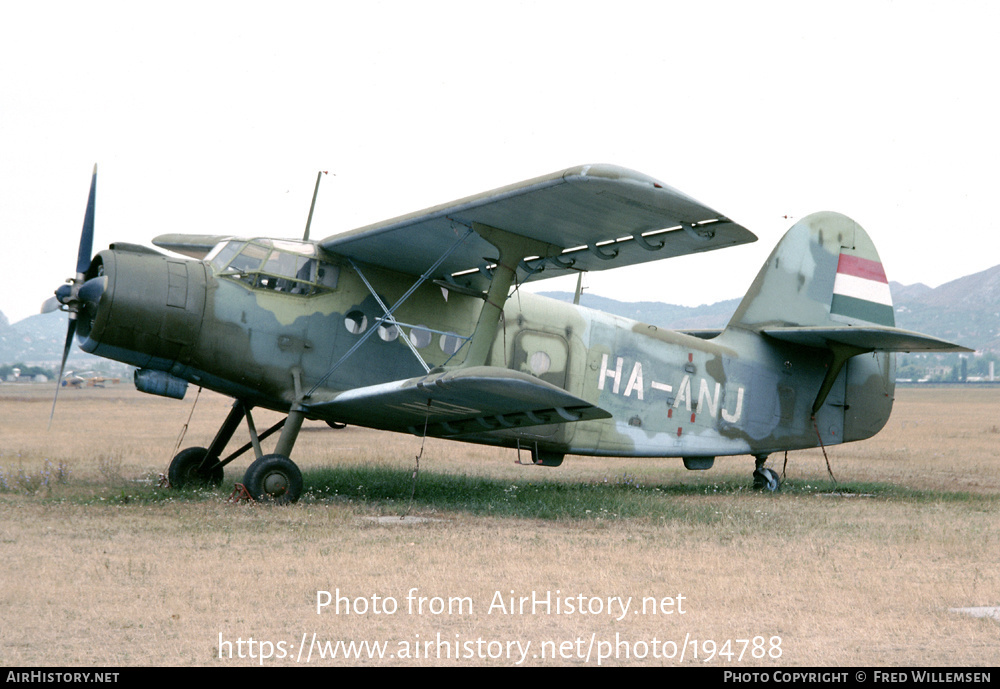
{"x":764,"y":478}
{"x":272,"y":477}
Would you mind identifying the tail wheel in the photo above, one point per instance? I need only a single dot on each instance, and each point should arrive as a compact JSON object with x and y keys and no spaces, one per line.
{"x":274,"y":478}
{"x":185,"y":470}
{"x":766,"y":479}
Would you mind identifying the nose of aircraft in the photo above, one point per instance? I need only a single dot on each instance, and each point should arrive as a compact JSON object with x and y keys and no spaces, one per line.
{"x":130,"y":303}
{"x":144,"y":308}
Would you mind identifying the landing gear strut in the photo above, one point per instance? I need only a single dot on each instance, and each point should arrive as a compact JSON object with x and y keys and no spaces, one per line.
{"x":764,"y":478}
{"x":271,"y":477}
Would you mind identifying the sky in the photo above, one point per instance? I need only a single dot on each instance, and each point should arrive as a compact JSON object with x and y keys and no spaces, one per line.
{"x":214,"y":117}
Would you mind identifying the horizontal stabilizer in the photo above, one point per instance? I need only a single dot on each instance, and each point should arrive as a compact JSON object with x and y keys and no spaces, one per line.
{"x":864,"y":338}
{"x":479,"y":399}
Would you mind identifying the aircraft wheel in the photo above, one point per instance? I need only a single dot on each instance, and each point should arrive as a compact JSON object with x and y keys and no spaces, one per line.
{"x":184,"y":470}
{"x":274,"y":478}
{"x":766,"y":479}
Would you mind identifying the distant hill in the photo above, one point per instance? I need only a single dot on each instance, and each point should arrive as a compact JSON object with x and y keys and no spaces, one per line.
{"x":39,"y":340}
{"x":666,"y":315}
{"x":966,"y":311}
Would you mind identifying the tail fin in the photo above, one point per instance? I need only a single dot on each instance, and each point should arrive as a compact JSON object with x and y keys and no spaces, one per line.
{"x":824,"y":287}
{"x":824,"y":272}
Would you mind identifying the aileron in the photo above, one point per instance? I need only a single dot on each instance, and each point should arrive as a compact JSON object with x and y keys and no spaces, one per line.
{"x":601,"y":216}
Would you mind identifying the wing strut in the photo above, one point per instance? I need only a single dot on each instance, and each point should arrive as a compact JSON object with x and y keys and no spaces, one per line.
{"x":513,"y":250}
{"x":388,"y":315}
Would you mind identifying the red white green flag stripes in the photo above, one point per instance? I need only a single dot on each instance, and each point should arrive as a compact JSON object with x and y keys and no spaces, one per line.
{"x":861,"y":291}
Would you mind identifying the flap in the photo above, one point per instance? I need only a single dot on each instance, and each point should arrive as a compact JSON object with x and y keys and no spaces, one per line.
{"x":864,"y":338}
{"x":602,"y":216}
{"x":469,"y":400}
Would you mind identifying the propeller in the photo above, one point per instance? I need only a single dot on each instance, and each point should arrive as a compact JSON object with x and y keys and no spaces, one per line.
{"x":78,"y":293}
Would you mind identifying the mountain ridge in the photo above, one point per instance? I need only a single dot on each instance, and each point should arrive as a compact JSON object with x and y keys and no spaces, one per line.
{"x":965,"y":311}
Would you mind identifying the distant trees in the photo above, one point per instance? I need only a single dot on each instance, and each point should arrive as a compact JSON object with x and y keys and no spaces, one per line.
{"x":26,"y":371}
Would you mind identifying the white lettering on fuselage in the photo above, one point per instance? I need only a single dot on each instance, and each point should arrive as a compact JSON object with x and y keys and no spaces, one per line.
{"x":605,"y":374}
{"x":707,"y":401}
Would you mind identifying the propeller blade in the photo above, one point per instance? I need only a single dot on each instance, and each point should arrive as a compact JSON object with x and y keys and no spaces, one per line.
{"x":70,"y":331}
{"x":87,"y":233}
{"x":78,"y":294}
{"x":49,"y":305}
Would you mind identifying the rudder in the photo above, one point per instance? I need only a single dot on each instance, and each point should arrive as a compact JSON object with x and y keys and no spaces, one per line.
{"x":824,"y":272}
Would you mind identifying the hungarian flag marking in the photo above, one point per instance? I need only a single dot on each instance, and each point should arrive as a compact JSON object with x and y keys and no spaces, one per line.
{"x":861,"y":291}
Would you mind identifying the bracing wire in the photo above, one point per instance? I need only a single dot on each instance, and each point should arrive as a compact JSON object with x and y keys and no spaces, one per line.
{"x":416,"y":466}
{"x":187,"y":424}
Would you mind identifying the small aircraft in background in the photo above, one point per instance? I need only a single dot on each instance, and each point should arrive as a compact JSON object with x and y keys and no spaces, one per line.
{"x":407,"y":325}
{"x":87,"y":379}
{"x":72,"y":379}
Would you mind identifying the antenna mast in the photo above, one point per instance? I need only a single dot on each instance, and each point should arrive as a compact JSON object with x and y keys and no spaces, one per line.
{"x":319,"y":176}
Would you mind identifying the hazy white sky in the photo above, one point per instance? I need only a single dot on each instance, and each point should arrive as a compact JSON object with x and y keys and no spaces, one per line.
{"x":214,"y":117}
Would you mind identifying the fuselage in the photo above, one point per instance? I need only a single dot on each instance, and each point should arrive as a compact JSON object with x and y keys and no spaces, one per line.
{"x":269,"y":322}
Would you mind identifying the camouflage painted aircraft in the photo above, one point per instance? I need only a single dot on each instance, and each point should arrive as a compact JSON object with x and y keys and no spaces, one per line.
{"x":411,"y":325}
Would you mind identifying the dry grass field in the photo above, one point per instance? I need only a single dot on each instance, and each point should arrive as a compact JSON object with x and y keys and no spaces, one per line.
{"x":98,"y":566}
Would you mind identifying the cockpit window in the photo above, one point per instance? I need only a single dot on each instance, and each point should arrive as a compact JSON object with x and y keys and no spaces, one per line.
{"x":222,"y":254}
{"x":279,"y":265}
{"x":249,"y":259}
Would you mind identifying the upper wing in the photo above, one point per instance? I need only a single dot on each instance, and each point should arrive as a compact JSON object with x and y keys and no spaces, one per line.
{"x":601,"y":216}
{"x":478,"y":399}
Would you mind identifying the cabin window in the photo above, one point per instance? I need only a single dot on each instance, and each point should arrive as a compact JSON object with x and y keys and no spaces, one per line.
{"x":356,"y":322}
{"x":450,"y":343}
{"x":539,"y":363}
{"x":420,"y":336}
{"x":327,"y":274}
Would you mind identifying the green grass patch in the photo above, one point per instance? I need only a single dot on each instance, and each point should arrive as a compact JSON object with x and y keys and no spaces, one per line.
{"x":388,"y":490}
{"x":619,"y":497}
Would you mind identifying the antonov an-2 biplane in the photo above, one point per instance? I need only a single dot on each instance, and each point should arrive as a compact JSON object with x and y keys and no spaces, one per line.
{"x":408,"y":325}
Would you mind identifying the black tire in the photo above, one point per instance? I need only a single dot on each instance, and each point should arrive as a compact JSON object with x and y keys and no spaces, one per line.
{"x":766,"y":479}
{"x":184,"y":470}
{"x":274,"y":478}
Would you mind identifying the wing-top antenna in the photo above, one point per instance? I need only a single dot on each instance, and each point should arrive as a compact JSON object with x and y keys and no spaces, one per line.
{"x":312,"y":206}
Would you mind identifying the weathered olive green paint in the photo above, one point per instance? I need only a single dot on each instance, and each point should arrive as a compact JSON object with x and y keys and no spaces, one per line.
{"x":779,"y":377}
{"x":151,"y":311}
